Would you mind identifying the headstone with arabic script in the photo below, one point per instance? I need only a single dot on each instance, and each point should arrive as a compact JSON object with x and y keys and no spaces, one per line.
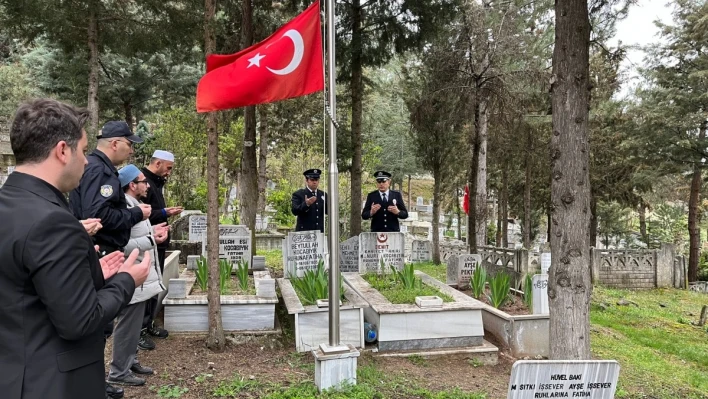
{"x":234,"y":243}
{"x":466,"y":265}
{"x":302,"y":250}
{"x":374,"y":247}
{"x":540,"y":294}
{"x":197,"y":227}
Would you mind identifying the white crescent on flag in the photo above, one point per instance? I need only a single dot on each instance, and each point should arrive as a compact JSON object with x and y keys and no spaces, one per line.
{"x":297,"y":55}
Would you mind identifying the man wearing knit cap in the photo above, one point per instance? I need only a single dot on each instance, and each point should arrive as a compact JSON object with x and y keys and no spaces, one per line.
{"x":156,"y":174}
{"x":144,"y":237}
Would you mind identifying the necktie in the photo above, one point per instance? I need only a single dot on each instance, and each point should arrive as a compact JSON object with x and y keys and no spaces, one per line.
{"x":384,"y":198}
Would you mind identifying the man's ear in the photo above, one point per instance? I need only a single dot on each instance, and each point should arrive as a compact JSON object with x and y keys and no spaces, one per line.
{"x":61,"y":151}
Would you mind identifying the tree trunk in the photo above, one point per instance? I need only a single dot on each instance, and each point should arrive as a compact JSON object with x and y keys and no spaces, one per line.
{"x":643,"y":221}
{"x":410,"y":204}
{"x":694,"y":233}
{"x":262,"y":157}
{"x":472,"y":184}
{"x":436,"y":215}
{"x":128,"y":109}
{"x":459,"y":214}
{"x":569,"y":285}
{"x":481,"y":190}
{"x":500,"y":219}
{"x":505,"y":208}
{"x":215,"y":339}
{"x":593,"y":221}
{"x":249,"y":163}
{"x":357,"y":93}
{"x":527,"y":189}
{"x":92,"y":104}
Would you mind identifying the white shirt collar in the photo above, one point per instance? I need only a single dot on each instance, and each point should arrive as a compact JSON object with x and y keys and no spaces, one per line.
{"x":381,"y":194}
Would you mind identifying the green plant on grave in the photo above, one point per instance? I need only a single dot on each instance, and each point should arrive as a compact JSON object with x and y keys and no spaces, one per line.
{"x":406,"y":276}
{"x":499,"y":287}
{"x":528,"y":291}
{"x":478,"y":282}
{"x":314,"y":285}
{"x":202,"y":273}
{"x":242,"y":274}
{"x":225,"y":267}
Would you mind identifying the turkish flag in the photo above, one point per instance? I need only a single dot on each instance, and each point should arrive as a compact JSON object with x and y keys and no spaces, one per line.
{"x":285,"y":65}
{"x":466,"y":200}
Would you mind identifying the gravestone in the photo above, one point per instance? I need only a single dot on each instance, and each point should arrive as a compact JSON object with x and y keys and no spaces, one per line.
{"x":421,"y":251}
{"x":594,"y":379}
{"x":540,"y":294}
{"x":302,"y":250}
{"x":419,"y":201}
{"x":374,"y":247}
{"x":545,"y":262}
{"x":466,"y":265}
{"x":451,"y":278}
{"x":197,"y":227}
{"x":234,"y":243}
{"x":349,"y":255}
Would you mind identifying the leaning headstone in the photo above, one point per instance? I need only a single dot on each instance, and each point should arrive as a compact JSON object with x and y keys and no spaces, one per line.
{"x":259,"y":263}
{"x":452,"y":269}
{"x":374,"y":247}
{"x":421,"y":251}
{"x":349,"y":255}
{"x":595,"y":379}
{"x":234,"y":243}
{"x":302,"y":250}
{"x":197,"y":227}
{"x":545,"y":262}
{"x":192,"y":262}
{"x":466,"y":265}
{"x":540,"y":294}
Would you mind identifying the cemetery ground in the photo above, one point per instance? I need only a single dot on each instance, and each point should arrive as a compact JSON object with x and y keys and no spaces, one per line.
{"x":661,"y":353}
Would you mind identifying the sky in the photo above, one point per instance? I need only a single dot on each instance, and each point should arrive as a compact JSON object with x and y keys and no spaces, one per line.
{"x":639,"y":29}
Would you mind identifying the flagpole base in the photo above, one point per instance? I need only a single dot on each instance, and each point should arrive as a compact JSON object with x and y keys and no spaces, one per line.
{"x":335,"y":366}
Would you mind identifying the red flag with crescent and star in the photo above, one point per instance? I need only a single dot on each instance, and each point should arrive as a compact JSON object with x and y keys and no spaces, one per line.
{"x":285,"y":65}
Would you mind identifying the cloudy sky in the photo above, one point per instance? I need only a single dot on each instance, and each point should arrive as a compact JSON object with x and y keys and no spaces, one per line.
{"x":639,"y":29}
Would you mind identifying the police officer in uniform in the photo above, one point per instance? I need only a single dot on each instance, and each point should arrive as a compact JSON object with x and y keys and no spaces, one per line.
{"x":310,"y":204}
{"x":384,"y":207}
{"x":99,"y":195}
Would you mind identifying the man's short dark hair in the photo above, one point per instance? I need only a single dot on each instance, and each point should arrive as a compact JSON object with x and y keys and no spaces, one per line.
{"x":40,"y":124}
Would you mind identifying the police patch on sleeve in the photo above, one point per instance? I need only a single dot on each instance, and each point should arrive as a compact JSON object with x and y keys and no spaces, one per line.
{"x":106,"y":191}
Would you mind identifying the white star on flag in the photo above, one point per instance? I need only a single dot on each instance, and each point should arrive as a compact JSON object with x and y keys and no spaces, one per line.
{"x":255,"y":60}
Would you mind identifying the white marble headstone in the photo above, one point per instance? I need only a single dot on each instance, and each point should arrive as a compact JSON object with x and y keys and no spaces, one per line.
{"x":421,"y":251}
{"x":373,"y":247}
{"x":197,"y":227}
{"x":234,"y":243}
{"x":593,"y":379}
{"x":545,"y":262}
{"x":452,"y":269}
{"x":349,"y":255}
{"x":302,"y":250}
{"x":466,"y":265}
{"x":540,"y":294}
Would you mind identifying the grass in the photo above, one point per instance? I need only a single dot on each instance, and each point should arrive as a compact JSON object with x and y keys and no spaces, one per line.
{"x":274,"y":261}
{"x":438,"y":272}
{"x":661,"y":354}
{"x":232,"y":288}
{"x":395,"y":292}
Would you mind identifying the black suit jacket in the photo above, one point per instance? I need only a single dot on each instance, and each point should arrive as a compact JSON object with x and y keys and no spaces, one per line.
{"x":383,"y":220}
{"x":54,"y":302}
{"x":309,"y":217}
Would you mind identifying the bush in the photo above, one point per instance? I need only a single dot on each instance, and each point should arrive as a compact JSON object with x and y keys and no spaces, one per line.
{"x":499,"y":287}
{"x":478,"y":282}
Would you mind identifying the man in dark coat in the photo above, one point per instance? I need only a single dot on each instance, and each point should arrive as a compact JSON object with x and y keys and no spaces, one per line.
{"x":384,"y":207}
{"x":310,"y":204}
{"x":55,"y":294}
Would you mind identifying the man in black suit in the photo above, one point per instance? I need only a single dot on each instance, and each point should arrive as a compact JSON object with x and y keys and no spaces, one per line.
{"x":55,"y":294}
{"x":309,"y":204}
{"x":384,"y":207}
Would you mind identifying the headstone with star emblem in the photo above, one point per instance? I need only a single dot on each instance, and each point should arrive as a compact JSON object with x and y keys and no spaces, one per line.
{"x":374,"y":247}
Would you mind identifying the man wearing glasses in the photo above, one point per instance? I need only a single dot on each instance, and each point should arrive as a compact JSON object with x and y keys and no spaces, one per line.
{"x":309,"y":204}
{"x":99,"y":195}
{"x":384,"y":207}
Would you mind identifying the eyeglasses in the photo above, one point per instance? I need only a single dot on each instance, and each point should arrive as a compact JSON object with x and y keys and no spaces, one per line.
{"x":130,"y":143}
{"x":140,"y":181}
{"x":381,"y":180}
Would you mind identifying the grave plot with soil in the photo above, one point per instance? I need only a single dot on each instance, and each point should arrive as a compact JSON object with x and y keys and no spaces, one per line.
{"x":244,"y":307}
{"x":406,"y":326}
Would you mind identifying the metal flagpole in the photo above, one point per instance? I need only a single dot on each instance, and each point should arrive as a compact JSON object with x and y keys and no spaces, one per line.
{"x":333,"y":183}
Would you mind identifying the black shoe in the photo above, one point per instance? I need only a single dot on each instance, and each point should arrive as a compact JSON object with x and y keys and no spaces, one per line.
{"x":157,"y":332}
{"x":129,"y":380}
{"x":138,"y":368}
{"x":113,"y":392}
{"x":145,"y":343}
